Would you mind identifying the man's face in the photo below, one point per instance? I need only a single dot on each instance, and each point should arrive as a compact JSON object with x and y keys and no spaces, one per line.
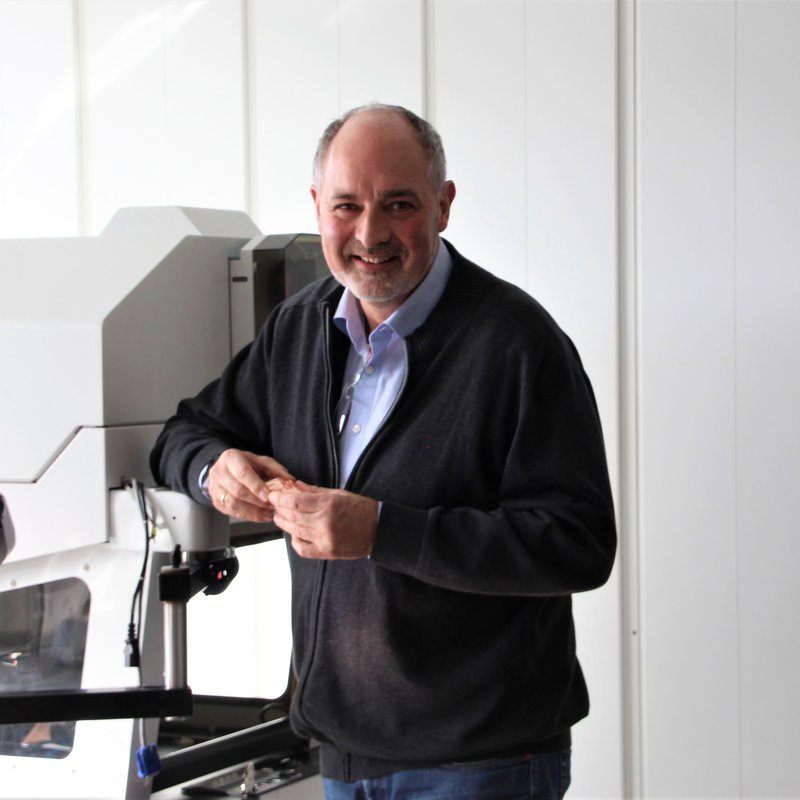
{"x":379,"y":216}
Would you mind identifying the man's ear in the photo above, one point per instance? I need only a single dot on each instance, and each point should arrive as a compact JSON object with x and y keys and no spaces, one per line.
{"x":445,"y":201}
{"x":315,"y":196}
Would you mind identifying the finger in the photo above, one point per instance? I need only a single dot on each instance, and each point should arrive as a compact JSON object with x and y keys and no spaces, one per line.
{"x":224,"y":499}
{"x":302,"y":538}
{"x":276,"y":485}
{"x":297,"y":498}
{"x":236,"y":481}
{"x":243,"y":475}
{"x":268,"y":467}
{"x":273,"y":474}
{"x":226,"y":502}
{"x":240,"y":509}
{"x":289,"y":520}
{"x":305,"y":548}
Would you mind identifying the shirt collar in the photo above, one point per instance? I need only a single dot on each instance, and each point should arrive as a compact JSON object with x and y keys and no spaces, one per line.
{"x":410,"y":315}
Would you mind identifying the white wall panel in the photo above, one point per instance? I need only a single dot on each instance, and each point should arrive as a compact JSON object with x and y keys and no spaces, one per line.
{"x":687,"y":311}
{"x":572,"y":269}
{"x":164,"y":100}
{"x":768,"y":393}
{"x":125,"y":125}
{"x":477,"y":100}
{"x":38,"y":153}
{"x":381,"y":53}
{"x":571,"y":180}
{"x":294,"y":91}
{"x":204,"y":99}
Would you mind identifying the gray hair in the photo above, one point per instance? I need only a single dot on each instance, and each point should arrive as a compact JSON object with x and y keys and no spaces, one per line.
{"x":426,"y":133}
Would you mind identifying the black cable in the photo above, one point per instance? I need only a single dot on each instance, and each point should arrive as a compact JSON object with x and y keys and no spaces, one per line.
{"x":138,"y":595}
{"x":135,"y":623}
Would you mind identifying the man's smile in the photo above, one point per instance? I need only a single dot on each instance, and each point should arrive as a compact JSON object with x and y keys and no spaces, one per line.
{"x":374,"y":260}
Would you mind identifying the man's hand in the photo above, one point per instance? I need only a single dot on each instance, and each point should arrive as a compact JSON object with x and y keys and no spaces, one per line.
{"x":325,"y":523}
{"x":239,"y":484}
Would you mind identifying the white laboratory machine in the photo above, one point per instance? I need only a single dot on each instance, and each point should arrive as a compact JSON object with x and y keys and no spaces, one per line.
{"x":100,"y":337}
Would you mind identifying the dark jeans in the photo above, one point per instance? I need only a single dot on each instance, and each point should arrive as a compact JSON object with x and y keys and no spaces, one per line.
{"x":541,"y":776}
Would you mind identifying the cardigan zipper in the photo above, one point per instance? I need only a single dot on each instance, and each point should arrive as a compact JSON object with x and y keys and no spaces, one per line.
{"x":334,"y":453}
{"x":321,"y":568}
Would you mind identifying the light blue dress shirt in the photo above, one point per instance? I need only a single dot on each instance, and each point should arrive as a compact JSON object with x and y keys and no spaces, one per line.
{"x":383,"y":357}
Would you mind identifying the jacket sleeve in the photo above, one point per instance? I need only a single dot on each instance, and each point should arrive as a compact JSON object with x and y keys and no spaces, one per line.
{"x":549,"y":529}
{"x":223,"y":415}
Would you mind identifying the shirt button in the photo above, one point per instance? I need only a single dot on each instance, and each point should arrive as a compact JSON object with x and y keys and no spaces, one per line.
{"x":369,"y":370}
{"x":356,"y":428}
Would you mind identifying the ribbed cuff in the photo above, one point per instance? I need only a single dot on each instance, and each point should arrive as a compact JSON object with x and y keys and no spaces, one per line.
{"x":400,"y":537}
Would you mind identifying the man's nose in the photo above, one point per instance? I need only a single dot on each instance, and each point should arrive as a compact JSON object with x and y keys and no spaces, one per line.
{"x":373,"y":229}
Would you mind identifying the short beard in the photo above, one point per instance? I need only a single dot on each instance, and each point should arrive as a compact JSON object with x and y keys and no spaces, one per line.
{"x":381,"y":289}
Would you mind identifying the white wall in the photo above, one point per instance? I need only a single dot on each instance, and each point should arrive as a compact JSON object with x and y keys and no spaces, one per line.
{"x":688,"y":500}
{"x":39,"y":143}
{"x":632,"y":164}
{"x":767,"y":334}
{"x":718,"y":123}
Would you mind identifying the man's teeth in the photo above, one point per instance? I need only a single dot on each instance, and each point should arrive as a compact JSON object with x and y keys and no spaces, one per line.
{"x":369,"y":260}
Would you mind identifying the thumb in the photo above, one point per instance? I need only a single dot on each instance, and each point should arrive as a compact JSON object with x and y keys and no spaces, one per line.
{"x":270,"y":468}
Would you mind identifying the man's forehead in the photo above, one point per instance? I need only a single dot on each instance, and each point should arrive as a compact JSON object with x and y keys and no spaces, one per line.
{"x":384,"y":174}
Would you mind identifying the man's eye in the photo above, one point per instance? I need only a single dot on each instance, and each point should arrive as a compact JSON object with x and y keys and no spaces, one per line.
{"x":344,"y":207}
{"x":401,"y":205}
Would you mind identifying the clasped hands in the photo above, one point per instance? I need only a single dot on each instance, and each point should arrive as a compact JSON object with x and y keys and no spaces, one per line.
{"x":322,"y":523}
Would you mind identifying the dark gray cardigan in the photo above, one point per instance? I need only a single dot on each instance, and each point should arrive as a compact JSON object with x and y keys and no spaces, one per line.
{"x":455,"y":640}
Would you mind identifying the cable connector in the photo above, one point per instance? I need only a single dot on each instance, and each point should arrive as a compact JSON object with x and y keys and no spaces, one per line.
{"x":147,"y":761}
{"x":132,"y":648}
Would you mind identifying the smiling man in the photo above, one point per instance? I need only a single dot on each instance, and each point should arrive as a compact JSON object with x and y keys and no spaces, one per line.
{"x":380,"y":210}
{"x":425,"y":436}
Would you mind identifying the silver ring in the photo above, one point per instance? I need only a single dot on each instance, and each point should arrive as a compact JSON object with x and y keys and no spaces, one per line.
{"x":223,"y":497}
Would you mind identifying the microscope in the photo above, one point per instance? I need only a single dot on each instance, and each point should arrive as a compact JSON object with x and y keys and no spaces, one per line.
{"x":100,"y":337}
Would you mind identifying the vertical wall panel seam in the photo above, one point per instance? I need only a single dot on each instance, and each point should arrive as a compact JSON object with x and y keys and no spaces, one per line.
{"x":81,"y":97}
{"x":168,"y":171}
{"x":525,"y":159}
{"x":339,"y":109}
{"x":249,"y":122}
{"x":430,"y":108}
{"x":425,"y":88}
{"x":628,"y":174}
{"x":639,"y":765}
{"x":736,"y":531}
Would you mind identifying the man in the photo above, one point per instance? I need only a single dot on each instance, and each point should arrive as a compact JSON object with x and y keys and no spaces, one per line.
{"x":429,"y":443}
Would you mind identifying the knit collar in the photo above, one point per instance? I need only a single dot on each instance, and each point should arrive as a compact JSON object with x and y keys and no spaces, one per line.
{"x":468,"y":286}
